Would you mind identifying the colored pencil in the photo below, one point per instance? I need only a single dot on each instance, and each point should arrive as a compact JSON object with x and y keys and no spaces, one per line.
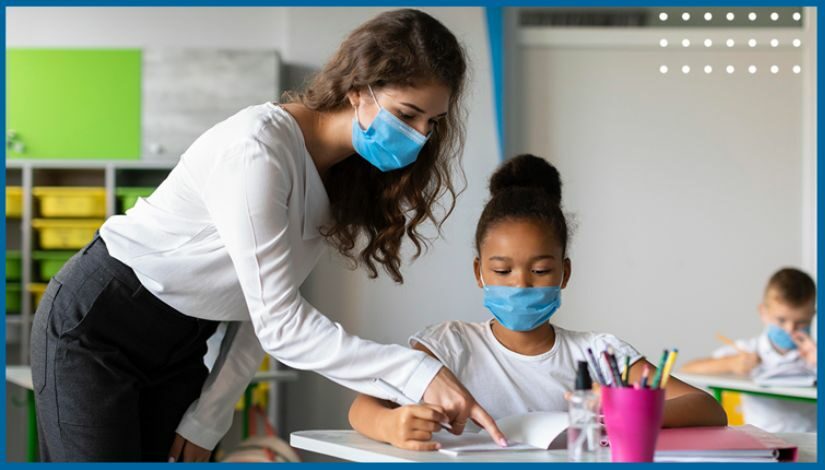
{"x":668,"y":367}
{"x":729,"y":342}
{"x":658,"y":375}
{"x":614,"y":369}
{"x":645,"y":375}
{"x":595,"y":365}
{"x":626,"y":372}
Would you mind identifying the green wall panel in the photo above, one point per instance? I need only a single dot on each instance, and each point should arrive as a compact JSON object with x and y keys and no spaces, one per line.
{"x":74,"y":103}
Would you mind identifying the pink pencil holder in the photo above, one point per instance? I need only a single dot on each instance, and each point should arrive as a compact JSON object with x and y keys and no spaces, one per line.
{"x":633,"y":418}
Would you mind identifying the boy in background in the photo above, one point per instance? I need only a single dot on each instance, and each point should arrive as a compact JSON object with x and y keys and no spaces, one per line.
{"x":787,"y":311}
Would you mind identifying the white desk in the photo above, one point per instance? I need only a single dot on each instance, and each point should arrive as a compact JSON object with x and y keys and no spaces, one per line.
{"x":20,"y":376}
{"x":719,"y":383}
{"x":350,"y":445}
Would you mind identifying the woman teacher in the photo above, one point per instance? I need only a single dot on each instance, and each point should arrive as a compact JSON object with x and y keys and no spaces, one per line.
{"x":358,"y":161}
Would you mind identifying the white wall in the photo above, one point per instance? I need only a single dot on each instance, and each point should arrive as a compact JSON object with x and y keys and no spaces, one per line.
{"x":145,"y":27}
{"x":685,"y":189}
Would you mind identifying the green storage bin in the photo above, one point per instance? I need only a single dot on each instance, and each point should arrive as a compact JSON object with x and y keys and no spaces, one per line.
{"x":48,"y":263}
{"x":13,"y":298}
{"x":14,"y":265}
{"x":128,"y":196}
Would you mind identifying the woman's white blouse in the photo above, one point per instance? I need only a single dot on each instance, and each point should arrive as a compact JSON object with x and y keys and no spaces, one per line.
{"x":230,"y":235}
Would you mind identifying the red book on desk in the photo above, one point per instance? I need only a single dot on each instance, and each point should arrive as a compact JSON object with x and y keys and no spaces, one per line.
{"x":725,"y":444}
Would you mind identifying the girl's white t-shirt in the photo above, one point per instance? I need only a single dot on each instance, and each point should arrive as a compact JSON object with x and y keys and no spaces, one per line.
{"x":507,"y":383}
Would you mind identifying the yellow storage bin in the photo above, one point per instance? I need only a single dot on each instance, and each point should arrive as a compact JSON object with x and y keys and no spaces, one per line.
{"x":14,"y":201}
{"x":37,"y":289}
{"x":71,"y":201}
{"x":65,"y":234}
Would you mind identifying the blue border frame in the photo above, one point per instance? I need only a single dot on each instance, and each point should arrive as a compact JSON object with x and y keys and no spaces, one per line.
{"x":496,"y":31}
{"x":495,"y":34}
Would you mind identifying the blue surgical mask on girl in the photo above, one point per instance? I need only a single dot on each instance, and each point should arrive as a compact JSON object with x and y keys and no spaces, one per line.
{"x":388,"y":143}
{"x":522,"y":308}
{"x":781,"y":338}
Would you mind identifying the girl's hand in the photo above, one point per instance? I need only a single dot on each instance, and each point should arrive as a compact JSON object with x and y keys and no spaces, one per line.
{"x":744,"y":362}
{"x":184,"y":451}
{"x":411,"y":427}
{"x":806,"y":346}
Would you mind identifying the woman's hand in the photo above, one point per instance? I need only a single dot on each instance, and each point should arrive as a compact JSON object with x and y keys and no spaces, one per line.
{"x":184,"y":451}
{"x":411,"y":427}
{"x":447,"y":393}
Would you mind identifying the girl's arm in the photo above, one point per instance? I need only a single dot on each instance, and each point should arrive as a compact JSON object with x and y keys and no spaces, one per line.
{"x":684,"y":405}
{"x":408,"y":427}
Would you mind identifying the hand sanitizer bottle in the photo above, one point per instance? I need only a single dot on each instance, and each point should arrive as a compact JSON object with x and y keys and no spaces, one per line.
{"x":584,"y":433}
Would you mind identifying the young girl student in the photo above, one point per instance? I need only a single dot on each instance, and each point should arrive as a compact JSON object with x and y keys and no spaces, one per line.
{"x":518,"y":361}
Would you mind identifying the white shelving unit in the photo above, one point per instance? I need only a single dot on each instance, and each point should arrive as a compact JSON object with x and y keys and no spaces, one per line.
{"x":110,"y":174}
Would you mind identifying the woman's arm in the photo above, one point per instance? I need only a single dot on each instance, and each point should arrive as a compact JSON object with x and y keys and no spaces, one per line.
{"x":684,"y":405}
{"x":247,"y":194}
{"x":209,"y":417}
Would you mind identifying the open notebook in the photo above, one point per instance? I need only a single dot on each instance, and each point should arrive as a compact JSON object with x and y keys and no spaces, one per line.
{"x":545,"y":430}
{"x":530,"y":431}
{"x":790,"y":375}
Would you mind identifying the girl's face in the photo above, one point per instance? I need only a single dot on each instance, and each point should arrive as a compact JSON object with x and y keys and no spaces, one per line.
{"x":421,"y":107}
{"x":521,"y":253}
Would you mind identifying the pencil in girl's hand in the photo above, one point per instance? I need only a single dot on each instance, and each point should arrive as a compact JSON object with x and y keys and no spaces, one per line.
{"x":658,"y":376}
{"x":645,"y":375}
{"x":669,"y":366}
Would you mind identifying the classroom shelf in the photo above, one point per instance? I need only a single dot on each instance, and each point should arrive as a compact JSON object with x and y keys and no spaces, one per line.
{"x":71,"y":201}
{"x":121,"y":180}
{"x":99,"y":181}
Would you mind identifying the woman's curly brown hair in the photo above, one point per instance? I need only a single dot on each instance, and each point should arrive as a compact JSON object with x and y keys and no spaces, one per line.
{"x":397,"y":48}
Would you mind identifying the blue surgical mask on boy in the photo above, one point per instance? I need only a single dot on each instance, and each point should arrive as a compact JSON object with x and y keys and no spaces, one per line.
{"x":522,"y":308}
{"x":781,"y":338}
{"x":388,"y":143}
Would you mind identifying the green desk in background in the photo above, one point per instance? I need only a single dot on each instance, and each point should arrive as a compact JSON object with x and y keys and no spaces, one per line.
{"x":730,"y":383}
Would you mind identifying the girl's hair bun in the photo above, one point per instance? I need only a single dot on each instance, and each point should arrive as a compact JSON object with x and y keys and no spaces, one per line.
{"x":527,"y":171}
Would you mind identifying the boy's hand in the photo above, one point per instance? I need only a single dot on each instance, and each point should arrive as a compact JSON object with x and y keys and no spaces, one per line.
{"x":744,"y":362}
{"x":806,"y":346}
{"x":411,"y":427}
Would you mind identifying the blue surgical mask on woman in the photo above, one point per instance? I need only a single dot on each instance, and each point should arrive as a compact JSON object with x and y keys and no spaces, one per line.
{"x":522,"y":308}
{"x":388,"y":143}
{"x":781,"y":338}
